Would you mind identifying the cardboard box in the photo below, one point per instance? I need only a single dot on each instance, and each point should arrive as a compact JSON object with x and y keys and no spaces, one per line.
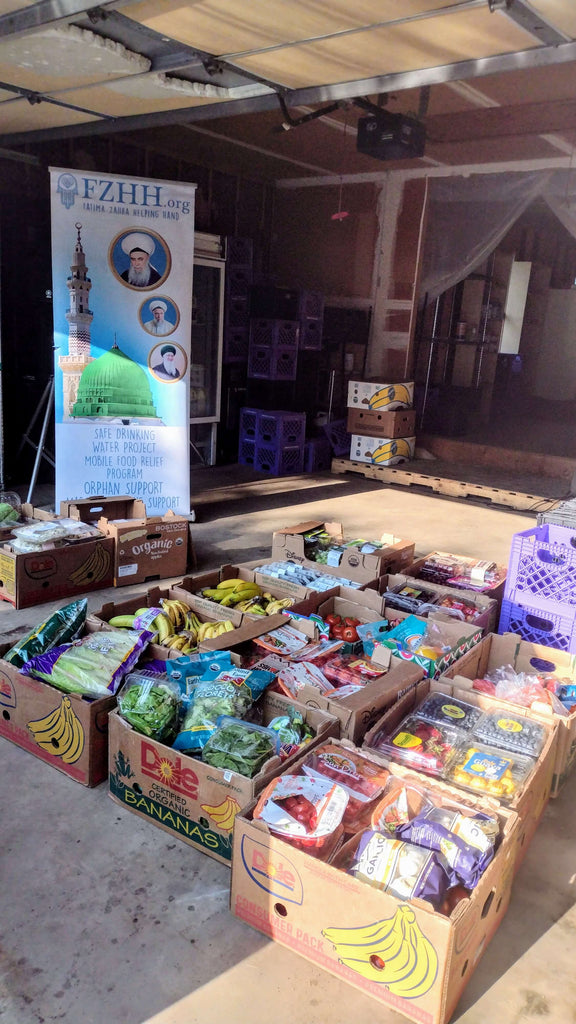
{"x":82,"y":740}
{"x":496,"y":592}
{"x":462,"y":635}
{"x":375,"y":395}
{"x":358,"y":711}
{"x":530,"y":802}
{"x":401,"y":423}
{"x":244,"y":628}
{"x":303,"y":904}
{"x":493,"y":652}
{"x":194,"y":585}
{"x":146,"y":547}
{"x":288,"y":545}
{"x":486,"y":617}
{"x":72,"y":570}
{"x":382,"y":451}
{"x":181,"y":794}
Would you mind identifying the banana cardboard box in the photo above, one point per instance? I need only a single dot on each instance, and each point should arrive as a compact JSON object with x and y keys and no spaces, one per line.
{"x":360,"y":566}
{"x":382,"y":451}
{"x":187,"y":624}
{"x":532,"y":796}
{"x":72,"y":570}
{"x":377,"y":395}
{"x":534,"y":659}
{"x":380,"y":423}
{"x":244,"y":598}
{"x":191,"y":800}
{"x":65,"y":730}
{"x":401,"y":952}
{"x":146,"y":547}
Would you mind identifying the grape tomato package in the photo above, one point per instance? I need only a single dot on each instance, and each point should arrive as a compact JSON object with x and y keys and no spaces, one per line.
{"x":291,"y":679}
{"x":419,"y":744}
{"x":489,"y":770}
{"x":511,"y":732}
{"x":305,"y":812}
{"x":362,"y":779}
{"x":439,"y":709}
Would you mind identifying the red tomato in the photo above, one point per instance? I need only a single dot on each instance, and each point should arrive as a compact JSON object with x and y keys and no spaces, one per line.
{"x":336,"y":632}
{"x":350,"y":634}
{"x":333,"y":620}
{"x":350,"y":621}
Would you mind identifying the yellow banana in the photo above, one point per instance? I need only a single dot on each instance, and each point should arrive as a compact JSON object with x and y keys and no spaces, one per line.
{"x":164,"y":626}
{"x":393,"y":952}
{"x":274,"y":607}
{"x":122,"y":621}
{"x":229,"y":584}
{"x":203,"y":632}
{"x":213,"y":595}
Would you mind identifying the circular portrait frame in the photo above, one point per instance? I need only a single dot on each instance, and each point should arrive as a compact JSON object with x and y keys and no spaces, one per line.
{"x":155,"y":357}
{"x":146,"y":316}
{"x":119,"y":260}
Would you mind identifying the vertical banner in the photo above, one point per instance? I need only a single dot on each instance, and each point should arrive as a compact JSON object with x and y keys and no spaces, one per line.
{"x":122,"y":258}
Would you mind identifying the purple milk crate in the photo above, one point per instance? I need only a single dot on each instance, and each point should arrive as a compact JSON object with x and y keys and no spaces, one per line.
{"x":238,"y":281}
{"x":278,"y":428}
{"x":311,"y":335}
{"x":280,"y":461}
{"x":247,"y":452}
{"x":338,"y":437}
{"x":236,"y":342}
{"x":311,"y":304}
{"x":317,"y":454}
{"x":542,"y":568}
{"x":237,"y":311}
{"x":249,"y":423}
{"x":552,"y":629}
{"x":239,"y":251}
{"x":274,"y":333}
{"x":272,"y":363}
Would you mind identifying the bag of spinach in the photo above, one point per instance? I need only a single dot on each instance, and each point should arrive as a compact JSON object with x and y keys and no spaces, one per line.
{"x":239,"y":746}
{"x":232,"y":693}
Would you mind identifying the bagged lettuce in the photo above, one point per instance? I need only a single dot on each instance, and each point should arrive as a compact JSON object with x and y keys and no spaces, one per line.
{"x":232,"y":693}
{"x":151,"y":705}
{"x":61,"y":627}
{"x":94,"y":666}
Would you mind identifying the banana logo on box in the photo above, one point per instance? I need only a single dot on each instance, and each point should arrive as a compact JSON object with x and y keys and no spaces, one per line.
{"x":391,"y":451}
{"x":60,"y":732}
{"x":393,"y":952}
{"x":393,"y":396}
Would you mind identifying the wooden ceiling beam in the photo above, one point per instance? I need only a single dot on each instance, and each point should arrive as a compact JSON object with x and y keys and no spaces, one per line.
{"x":503,"y":121}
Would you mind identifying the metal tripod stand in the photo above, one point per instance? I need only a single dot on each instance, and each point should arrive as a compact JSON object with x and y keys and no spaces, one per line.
{"x":45,"y":405}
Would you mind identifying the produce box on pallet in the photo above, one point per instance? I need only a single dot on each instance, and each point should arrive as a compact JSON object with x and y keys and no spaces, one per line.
{"x":145,"y":547}
{"x":536,"y":660}
{"x":382,"y":451}
{"x":405,"y":954}
{"x":65,"y":730}
{"x":483,"y":608}
{"x":377,"y":395}
{"x":530,"y":797}
{"x":72,"y":570}
{"x":401,"y":423}
{"x":395,"y":554}
{"x":194,"y":801}
{"x":244,"y":628}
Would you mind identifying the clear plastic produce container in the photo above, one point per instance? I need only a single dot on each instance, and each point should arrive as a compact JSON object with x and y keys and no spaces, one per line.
{"x":443,"y":710}
{"x":489,"y":770}
{"x":511,"y":732}
{"x":420,"y":744}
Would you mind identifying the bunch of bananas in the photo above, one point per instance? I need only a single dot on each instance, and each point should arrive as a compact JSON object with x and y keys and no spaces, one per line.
{"x":246,"y":597}
{"x":210,"y":630}
{"x":177,"y":626}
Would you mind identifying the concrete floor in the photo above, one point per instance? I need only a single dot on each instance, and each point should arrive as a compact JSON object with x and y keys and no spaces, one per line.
{"x":108,"y":920}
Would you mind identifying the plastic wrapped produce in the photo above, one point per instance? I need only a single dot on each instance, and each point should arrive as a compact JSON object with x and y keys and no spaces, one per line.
{"x":489,"y":770}
{"x":239,"y":746}
{"x":94,"y":666}
{"x":399,"y":868}
{"x":61,"y":627}
{"x":441,"y":709}
{"x":151,"y":705}
{"x":362,"y":779}
{"x":511,"y":732}
{"x":304,"y":812}
{"x":420,"y":744}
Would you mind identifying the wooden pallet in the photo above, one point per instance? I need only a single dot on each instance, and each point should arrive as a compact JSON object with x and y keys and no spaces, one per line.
{"x":393,"y":476}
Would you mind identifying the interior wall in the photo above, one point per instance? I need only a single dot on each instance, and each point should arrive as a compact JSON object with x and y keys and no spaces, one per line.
{"x":310,"y":249}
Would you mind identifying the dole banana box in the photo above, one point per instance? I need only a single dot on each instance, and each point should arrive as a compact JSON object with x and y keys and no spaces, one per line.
{"x":380,"y":395}
{"x":189,"y":799}
{"x":382,"y":451}
{"x":380,"y":423}
{"x":531,"y":796}
{"x":352,"y":563}
{"x":403,"y":953}
{"x":145,"y":547}
{"x":65,"y":730}
{"x":71,"y":570}
{"x":534,"y":659}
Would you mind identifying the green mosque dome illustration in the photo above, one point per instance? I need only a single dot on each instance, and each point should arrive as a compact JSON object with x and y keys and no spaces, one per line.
{"x":114,"y":385}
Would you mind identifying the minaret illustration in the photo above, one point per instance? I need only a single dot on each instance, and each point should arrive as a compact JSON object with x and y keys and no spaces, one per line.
{"x":79,"y":317}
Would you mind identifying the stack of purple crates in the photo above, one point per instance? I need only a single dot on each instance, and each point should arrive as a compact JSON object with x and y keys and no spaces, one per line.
{"x":311,"y":319}
{"x":238,"y":281}
{"x":540,"y":596}
{"x":273,"y":352}
{"x":272,"y":441}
